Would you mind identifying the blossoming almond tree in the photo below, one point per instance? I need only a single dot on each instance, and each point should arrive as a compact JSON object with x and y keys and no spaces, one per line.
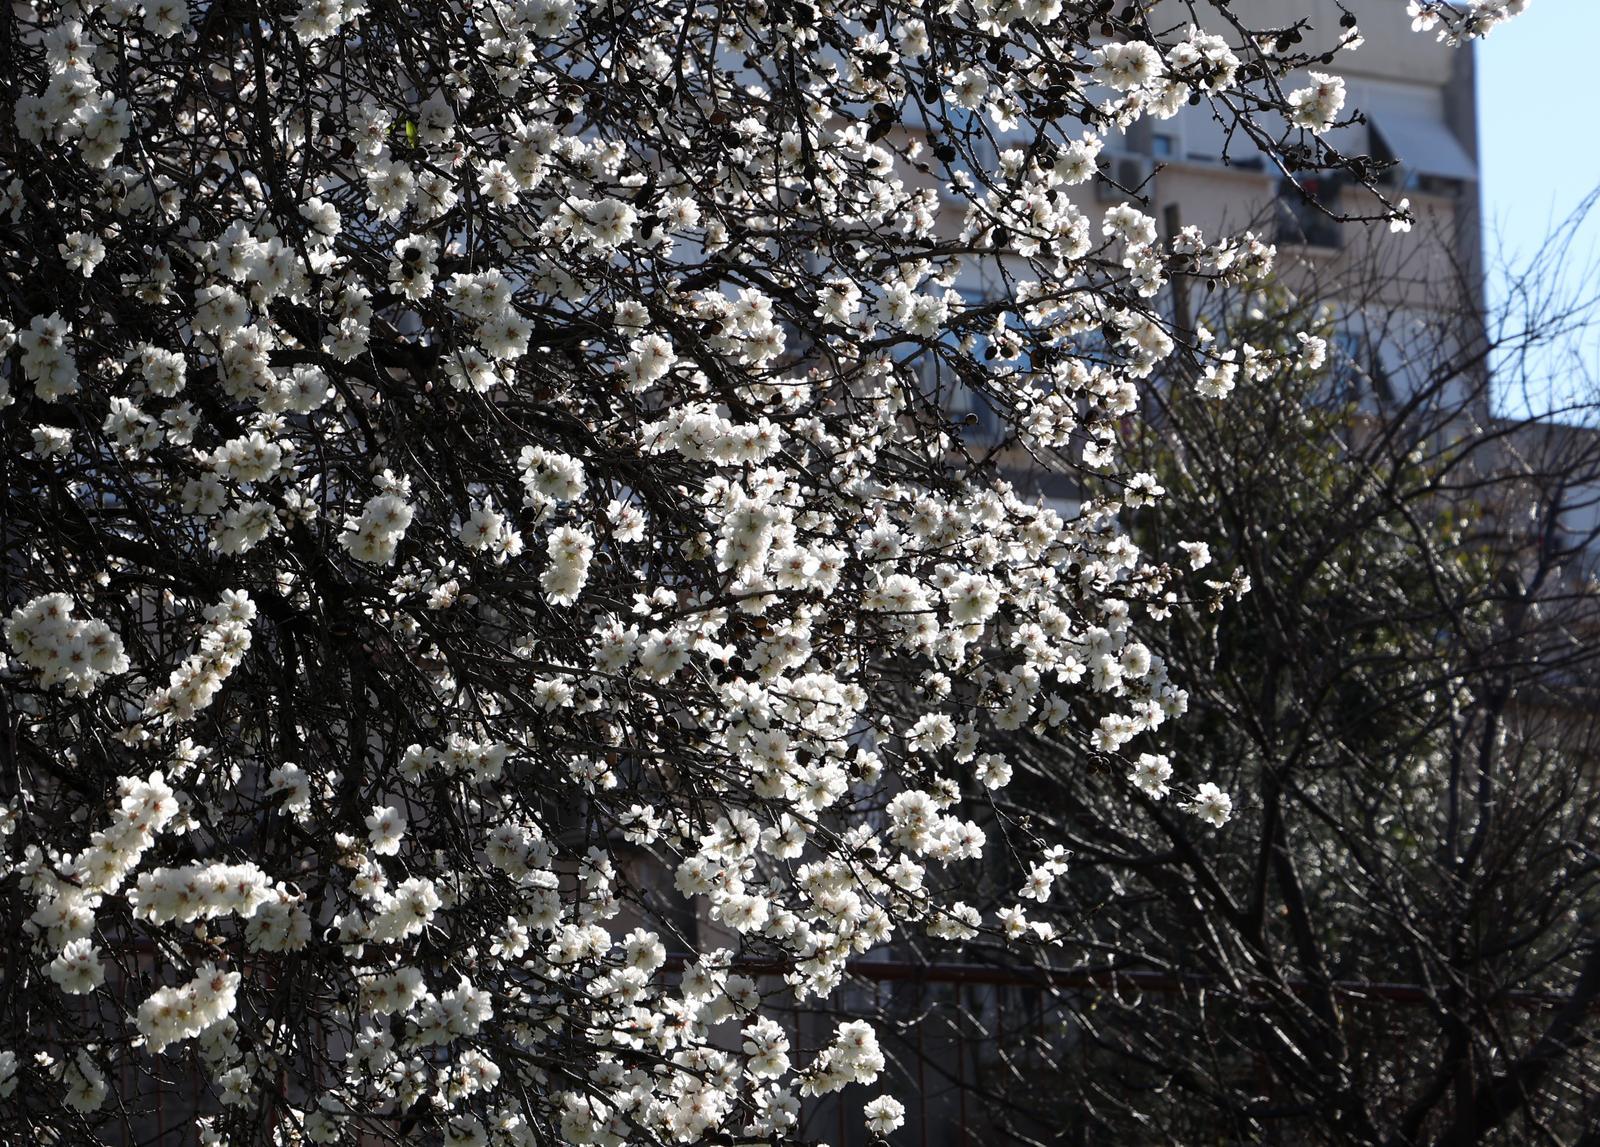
{"x":476,"y":521}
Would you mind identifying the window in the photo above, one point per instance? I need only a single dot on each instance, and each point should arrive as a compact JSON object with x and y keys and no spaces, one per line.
{"x":1356,"y":372}
{"x":1303,"y":206}
{"x":975,"y":418}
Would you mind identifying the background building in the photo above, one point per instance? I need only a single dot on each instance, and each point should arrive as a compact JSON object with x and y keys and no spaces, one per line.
{"x":1417,"y":100}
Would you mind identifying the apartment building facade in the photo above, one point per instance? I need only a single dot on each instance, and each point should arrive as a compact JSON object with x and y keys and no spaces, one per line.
{"x":1410,"y":106}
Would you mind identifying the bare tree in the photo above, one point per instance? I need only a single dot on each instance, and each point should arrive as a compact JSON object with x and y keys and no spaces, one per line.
{"x":1396,"y":938}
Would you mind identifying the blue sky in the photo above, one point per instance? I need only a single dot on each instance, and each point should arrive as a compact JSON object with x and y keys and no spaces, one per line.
{"x":1540,"y":155}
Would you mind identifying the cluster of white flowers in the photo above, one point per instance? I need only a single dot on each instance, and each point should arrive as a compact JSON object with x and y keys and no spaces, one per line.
{"x":47,"y":360}
{"x":62,"y":649}
{"x":401,"y":913}
{"x":884,"y":1114}
{"x":852,"y":1057}
{"x":77,"y":969}
{"x":200,"y":892}
{"x":224,"y":641}
{"x":85,"y":1084}
{"x":700,"y":432}
{"x":1455,"y":21}
{"x":487,"y":530}
{"x":1317,"y":107}
{"x":70,"y":889}
{"x":1151,"y":772}
{"x":578,"y":439}
{"x":378,"y":532}
{"x":386,"y":826}
{"x":1211,"y":804}
{"x":185,"y":1011}
{"x":570,"y":550}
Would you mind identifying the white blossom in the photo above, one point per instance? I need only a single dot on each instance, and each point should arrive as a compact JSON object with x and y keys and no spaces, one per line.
{"x":477,"y":509}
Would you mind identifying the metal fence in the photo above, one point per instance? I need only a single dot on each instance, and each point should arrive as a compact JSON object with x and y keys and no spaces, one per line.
{"x":979,"y":1055}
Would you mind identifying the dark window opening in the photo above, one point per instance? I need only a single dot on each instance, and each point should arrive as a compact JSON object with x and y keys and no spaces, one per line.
{"x":1304,"y":204}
